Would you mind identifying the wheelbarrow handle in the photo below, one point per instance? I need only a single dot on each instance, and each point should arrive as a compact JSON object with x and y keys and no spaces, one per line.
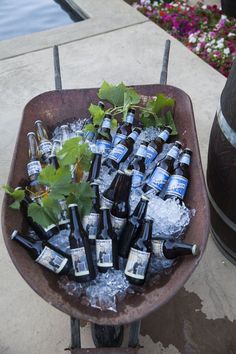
{"x":57,"y":69}
{"x":165,"y":62}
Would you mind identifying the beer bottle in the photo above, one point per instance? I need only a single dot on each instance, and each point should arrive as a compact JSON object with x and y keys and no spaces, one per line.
{"x":90,"y":221}
{"x":53,"y":161}
{"x":163,"y":170}
{"x":121,"y":151}
{"x":106,"y":244}
{"x":91,"y":135}
{"x":139,"y":255}
{"x":44,"y":233}
{"x":178,"y":182}
{"x":94,"y":170}
{"x":170,"y":249}
{"x":45,"y":146}
{"x":104,"y":138}
{"x":34,"y":167}
{"x":65,"y":133}
{"x":81,"y":255}
{"x":156,"y":146}
{"x":131,"y":229}
{"x":43,"y":255}
{"x":108,"y":196}
{"x":56,"y":146}
{"x":137,"y":165}
{"x":126,"y":128}
{"x":121,"y":208}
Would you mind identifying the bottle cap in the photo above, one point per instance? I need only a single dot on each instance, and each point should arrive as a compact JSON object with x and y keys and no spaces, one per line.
{"x":195,"y":250}
{"x":143,"y":142}
{"x":148,"y":219}
{"x":120,"y":172}
{"x":128,"y":172}
{"x":18,"y":188}
{"x":95,"y":182}
{"x":37,"y":121}
{"x":188,"y":151}
{"x":72,"y":205}
{"x":31,"y":133}
{"x":64,"y":126}
{"x":167,"y":127}
{"x":178,"y":144}
{"x":108,"y":115}
{"x":131,"y":110}
{"x":101,"y":104}
{"x":144,"y":197}
{"x":13,"y":235}
{"x":104,"y":208}
{"x":56,"y":141}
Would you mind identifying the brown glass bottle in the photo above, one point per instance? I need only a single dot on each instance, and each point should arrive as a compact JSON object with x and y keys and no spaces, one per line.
{"x":120,"y":209}
{"x":104,"y":138}
{"x":163,"y":170}
{"x":130,"y":232}
{"x":43,"y":255}
{"x":122,"y":151}
{"x":179,"y":180}
{"x":170,"y":249}
{"x":91,"y":221}
{"x":81,"y":255}
{"x":126,"y":128}
{"x":45,"y":146}
{"x":156,"y":146}
{"x":108,"y":196}
{"x":139,"y":255}
{"x":106,"y":243}
{"x":137,"y":165}
{"x":95,"y":167}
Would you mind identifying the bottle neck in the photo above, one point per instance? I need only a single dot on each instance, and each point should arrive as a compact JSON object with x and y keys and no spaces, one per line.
{"x":141,"y":209}
{"x":33,"y":147}
{"x":106,"y":124}
{"x":173,"y":153}
{"x":95,"y":199}
{"x":75,"y":222}
{"x":31,"y":246}
{"x":124,"y":187}
{"x":146,"y":230}
{"x":129,"y":118}
{"x":53,"y":161}
{"x":106,"y":219}
{"x":116,"y":181}
{"x":185,"y":159}
{"x":133,"y":136}
{"x":142,"y":151}
{"x":41,"y":132}
{"x":164,"y":135}
{"x":174,"y":249}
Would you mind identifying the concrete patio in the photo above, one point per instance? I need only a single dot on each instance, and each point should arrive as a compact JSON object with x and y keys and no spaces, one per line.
{"x":115,"y":44}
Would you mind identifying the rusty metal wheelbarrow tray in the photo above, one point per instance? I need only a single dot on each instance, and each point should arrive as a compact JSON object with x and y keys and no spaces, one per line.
{"x":55,"y":107}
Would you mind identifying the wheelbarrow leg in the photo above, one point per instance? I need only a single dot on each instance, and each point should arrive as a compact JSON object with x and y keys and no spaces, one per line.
{"x":75,"y":333}
{"x":134,"y":334}
{"x":107,"y":336}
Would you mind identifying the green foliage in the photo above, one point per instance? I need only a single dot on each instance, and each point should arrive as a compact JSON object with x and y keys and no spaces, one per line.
{"x":82,"y":195}
{"x":118,"y":95}
{"x":45,"y":214}
{"x":17,"y":194}
{"x":97,"y":113}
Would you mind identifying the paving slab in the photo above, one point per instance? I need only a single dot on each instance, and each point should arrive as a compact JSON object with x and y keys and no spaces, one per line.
{"x":201,"y":318}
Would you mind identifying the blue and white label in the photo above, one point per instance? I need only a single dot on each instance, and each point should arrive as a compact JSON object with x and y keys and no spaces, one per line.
{"x":133,"y":135}
{"x":34,"y":168}
{"x":118,"y":138}
{"x":142,"y":151}
{"x":185,"y":158}
{"x":130,"y":118}
{"x":90,"y":136}
{"x":103,"y":146}
{"x":137,"y":179}
{"x":174,"y":152}
{"x":164,"y":135}
{"x":177,"y":186}
{"x":159,"y":179}
{"x":151,"y":155}
{"x":106,"y":123}
{"x":118,"y":153}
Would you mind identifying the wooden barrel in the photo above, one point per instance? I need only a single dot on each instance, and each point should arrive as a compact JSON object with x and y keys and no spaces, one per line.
{"x":221,"y":170}
{"x":229,"y":7}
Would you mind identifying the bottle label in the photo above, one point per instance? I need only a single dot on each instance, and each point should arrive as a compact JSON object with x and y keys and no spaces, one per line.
{"x":106,"y":203}
{"x":106,"y":123}
{"x":174,"y":152}
{"x":129,"y":118}
{"x":118,"y":153}
{"x":90,"y":136}
{"x":151,"y":155}
{"x":185,"y":158}
{"x":104,"y":253}
{"x":142,"y":151}
{"x":119,"y":138}
{"x":45,"y":147}
{"x":79,"y":261}
{"x":52,"y":260}
{"x":158,"y":179}
{"x":177,"y":186}
{"x":118,"y":224}
{"x":157,"y":248}
{"x":137,"y":179}
{"x":164,"y":135}
{"x":90,"y":224}
{"x":33,"y":168}
{"x":137,"y":264}
{"x":103,"y":145}
{"x":133,"y":135}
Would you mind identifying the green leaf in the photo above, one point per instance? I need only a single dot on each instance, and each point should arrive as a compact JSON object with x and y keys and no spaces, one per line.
{"x":17,"y":194}
{"x":51,"y":207}
{"x":89,"y":128}
{"x":114,"y":124}
{"x":167,"y":119}
{"x":70,"y":152}
{"x":82,"y":195}
{"x":97,"y":113}
{"x":85,"y":157}
{"x":148,"y":120}
{"x":38,"y":214}
{"x":118,"y":95}
{"x":159,"y":103}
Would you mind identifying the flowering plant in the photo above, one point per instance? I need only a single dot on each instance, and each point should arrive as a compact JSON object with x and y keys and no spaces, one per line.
{"x":204,"y":29}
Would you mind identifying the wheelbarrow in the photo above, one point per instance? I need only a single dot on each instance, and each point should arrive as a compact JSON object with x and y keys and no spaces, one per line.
{"x":57,"y":107}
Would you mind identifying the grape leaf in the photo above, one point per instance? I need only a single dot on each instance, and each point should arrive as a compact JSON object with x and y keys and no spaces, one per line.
{"x":38,"y":214}
{"x":97,"y":113}
{"x":85,"y":157}
{"x":89,"y":128}
{"x":167,"y":119}
{"x":118,"y":95}
{"x":17,"y":194}
{"x":113,"y":123}
{"x":82,"y":195}
{"x":148,"y":120}
{"x":51,"y":207}
{"x":72,"y":151}
{"x":160,"y":102}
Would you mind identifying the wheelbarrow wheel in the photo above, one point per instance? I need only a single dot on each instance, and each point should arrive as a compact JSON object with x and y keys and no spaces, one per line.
{"x":107,"y":336}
